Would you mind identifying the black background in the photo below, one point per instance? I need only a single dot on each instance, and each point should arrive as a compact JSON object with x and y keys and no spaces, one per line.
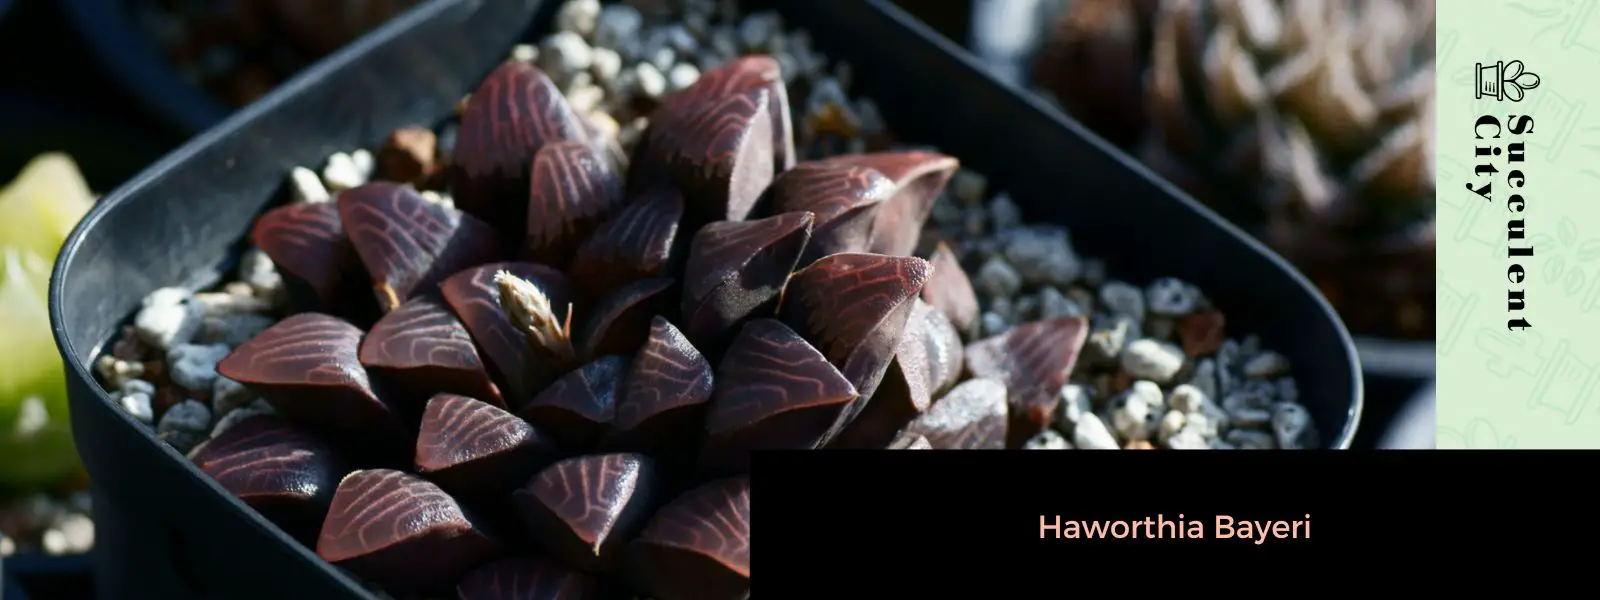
{"x":915,"y":523}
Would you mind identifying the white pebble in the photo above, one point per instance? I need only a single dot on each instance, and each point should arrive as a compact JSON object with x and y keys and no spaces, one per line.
{"x":725,"y":43}
{"x":138,"y":406}
{"x":1266,"y":365}
{"x":579,"y":16}
{"x":969,"y":186}
{"x":1205,"y":377}
{"x":342,"y":173}
{"x":258,"y":270}
{"x":1047,"y":440}
{"x":1004,"y":213}
{"x":564,"y":55}
{"x":585,"y":98}
{"x":1250,"y":417}
{"x":758,"y":30}
{"x":116,"y":372}
{"x":1200,"y":425}
{"x":1153,"y":360}
{"x":605,"y":64}
{"x":1250,"y":439}
{"x":137,"y":386}
{"x":682,"y":76}
{"x":651,"y":82}
{"x":194,"y":367}
{"x":365,"y":162}
{"x":618,"y":22}
{"x":993,"y":324}
{"x":997,"y":279}
{"x":1187,"y":440}
{"x":77,"y":534}
{"x":228,"y":395}
{"x":7,"y":547}
{"x":1123,"y":299}
{"x":1042,"y":254}
{"x":1170,"y":297}
{"x":1172,"y":423}
{"x":1187,"y":398}
{"x":1075,"y":402}
{"x":524,"y":53}
{"x":188,"y":416}
{"x":170,"y":316}
{"x":254,"y":409}
{"x":305,"y":186}
{"x":1091,"y":434}
{"x":1130,"y":418}
{"x":1053,"y":304}
{"x":223,"y":303}
{"x":1289,"y":424}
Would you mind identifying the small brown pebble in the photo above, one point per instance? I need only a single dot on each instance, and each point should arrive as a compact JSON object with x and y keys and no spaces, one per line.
{"x":408,"y":154}
{"x":166,"y":397}
{"x":128,"y":346}
{"x":1120,"y":382}
{"x":461,"y":105}
{"x":1202,"y":332}
{"x":1139,"y":445}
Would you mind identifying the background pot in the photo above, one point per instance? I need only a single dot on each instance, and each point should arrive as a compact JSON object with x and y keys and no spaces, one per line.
{"x":168,"y":531}
{"x":137,"y":64}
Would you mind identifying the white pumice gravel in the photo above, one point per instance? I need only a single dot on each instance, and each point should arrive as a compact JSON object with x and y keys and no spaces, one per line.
{"x":48,"y":524}
{"x":1135,"y":386}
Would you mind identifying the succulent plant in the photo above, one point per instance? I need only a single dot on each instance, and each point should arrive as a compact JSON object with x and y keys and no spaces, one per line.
{"x":560,"y":384}
{"x":1308,"y":120}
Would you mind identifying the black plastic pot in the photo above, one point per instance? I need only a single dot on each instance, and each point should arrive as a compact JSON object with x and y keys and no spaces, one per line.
{"x":167,"y":531}
{"x":107,"y":28}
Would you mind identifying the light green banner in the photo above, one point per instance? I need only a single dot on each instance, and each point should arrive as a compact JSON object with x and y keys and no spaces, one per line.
{"x":1519,"y":335}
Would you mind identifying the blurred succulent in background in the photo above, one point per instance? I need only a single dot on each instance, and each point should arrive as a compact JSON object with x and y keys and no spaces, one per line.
{"x":1307,"y":121}
{"x":37,"y":211}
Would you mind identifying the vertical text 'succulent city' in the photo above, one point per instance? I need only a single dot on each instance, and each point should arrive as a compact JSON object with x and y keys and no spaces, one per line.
{"x":1489,"y":129}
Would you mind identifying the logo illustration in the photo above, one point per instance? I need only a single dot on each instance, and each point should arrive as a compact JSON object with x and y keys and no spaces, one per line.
{"x":1505,"y":80}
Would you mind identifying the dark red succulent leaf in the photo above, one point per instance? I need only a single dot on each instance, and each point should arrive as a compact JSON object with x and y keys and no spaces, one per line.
{"x":1203,"y":332}
{"x":572,"y":190}
{"x":719,"y":153}
{"x":409,"y":244}
{"x":422,"y":347}
{"x":739,"y":76}
{"x":401,"y":531}
{"x":950,"y":291}
{"x":698,"y":546}
{"x":476,"y":300}
{"x":578,"y":408}
{"x":583,"y":510}
{"x":1034,"y":360}
{"x":620,"y":322}
{"x":853,"y":307}
{"x":525,"y":578}
{"x":972,"y":416}
{"x":845,"y":198}
{"x":513,"y":114}
{"x":918,"y":177}
{"x":306,"y":241}
{"x":474,"y":450}
{"x":636,"y":243}
{"x":736,"y":270}
{"x":910,"y":441}
{"x":668,"y":387}
{"x":908,"y":385}
{"x":308,"y":368}
{"x":774,"y":392}
{"x":285,"y":472}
